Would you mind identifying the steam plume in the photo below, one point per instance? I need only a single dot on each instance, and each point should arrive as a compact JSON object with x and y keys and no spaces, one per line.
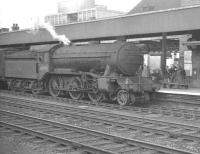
{"x":51,"y":30}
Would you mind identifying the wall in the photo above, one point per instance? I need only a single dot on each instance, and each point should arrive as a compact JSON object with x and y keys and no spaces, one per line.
{"x":196,"y":60}
{"x":196,"y":66}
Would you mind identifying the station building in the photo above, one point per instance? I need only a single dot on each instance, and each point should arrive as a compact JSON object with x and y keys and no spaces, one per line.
{"x":178,"y":52}
{"x":72,"y":11}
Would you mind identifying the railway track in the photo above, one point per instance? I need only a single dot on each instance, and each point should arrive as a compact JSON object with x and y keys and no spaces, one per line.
{"x":87,"y":139}
{"x":160,"y":111}
{"x":170,"y":134}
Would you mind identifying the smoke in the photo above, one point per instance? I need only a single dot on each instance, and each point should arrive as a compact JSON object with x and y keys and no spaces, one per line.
{"x":37,"y":25}
{"x":51,"y":30}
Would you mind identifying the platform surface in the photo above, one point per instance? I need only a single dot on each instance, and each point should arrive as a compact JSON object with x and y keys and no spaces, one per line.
{"x":189,"y":91}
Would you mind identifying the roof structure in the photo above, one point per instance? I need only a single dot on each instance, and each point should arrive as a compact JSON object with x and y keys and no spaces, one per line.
{"x":153,"y":5}
{"x":172,"y":21}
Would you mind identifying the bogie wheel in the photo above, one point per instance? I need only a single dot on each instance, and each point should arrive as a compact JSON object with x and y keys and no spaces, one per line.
{"x":123,"y":97}
{"x":22,"y":86}
{"x":13,"y":85}
{"x":35,"y":88}
{"x":75,"y":86}
{"x":54,"y":85}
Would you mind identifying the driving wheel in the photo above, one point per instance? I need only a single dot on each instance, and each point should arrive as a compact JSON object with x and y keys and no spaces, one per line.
{"x":75,"y":87}
{"x":54,"y":85}
{"x":95,"y":96}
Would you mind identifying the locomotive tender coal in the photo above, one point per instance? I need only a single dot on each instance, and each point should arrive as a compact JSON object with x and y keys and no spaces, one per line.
{"x":98,"y":71}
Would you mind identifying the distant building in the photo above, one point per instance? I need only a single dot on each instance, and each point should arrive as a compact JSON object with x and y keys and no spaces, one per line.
{"x":154,"y":5}
{"x":80,"y":10}
{"x":67,"y":6}
{"x":4,"y":30}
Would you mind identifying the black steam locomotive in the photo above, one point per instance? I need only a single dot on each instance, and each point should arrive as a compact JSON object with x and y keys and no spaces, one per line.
{"x":98,"y":71}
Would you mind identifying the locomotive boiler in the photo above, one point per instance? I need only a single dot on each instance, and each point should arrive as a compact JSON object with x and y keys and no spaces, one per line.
{"x":96,"y":71}
{"x":125,"y":58}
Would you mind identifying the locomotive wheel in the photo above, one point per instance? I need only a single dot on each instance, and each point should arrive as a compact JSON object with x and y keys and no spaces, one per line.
{"x":53,"y":86}
{"x":123,"y":97}
{"x":95,"y":96}
{"x":34,"y":88}
{"x":74,"y":86}
{"x":22,"y":86}
{"x":13,"y":85}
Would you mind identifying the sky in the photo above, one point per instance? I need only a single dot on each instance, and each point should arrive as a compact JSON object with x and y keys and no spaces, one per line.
{"x":24,"y":12}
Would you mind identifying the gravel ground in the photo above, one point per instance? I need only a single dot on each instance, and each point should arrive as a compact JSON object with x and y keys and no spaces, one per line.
{"x":11,"y":144}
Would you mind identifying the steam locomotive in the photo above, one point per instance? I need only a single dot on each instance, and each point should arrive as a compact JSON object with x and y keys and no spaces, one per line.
{"x":97,"y":71}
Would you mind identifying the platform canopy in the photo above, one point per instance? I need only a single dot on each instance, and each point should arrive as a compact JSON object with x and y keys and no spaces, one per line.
{"x":173,"y":21}
{"x":192,"y":43}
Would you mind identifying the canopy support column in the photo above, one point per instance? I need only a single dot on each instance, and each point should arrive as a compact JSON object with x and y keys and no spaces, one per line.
{"x":164,"y":52}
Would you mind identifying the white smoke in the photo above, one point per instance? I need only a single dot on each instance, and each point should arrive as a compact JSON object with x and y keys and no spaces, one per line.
{"x":51,"y":30}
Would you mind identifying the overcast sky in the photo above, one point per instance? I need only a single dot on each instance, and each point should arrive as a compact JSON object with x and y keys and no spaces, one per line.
{"x":24,"y":12}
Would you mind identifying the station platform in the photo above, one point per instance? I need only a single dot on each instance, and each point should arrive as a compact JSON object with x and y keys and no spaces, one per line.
{"x":189,"y":91}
